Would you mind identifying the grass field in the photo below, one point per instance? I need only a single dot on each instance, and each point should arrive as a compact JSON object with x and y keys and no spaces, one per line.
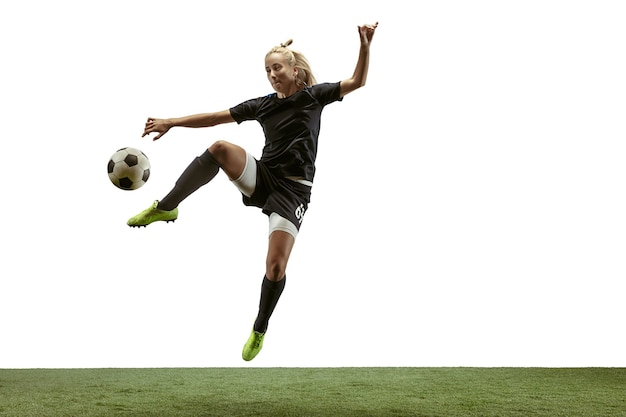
{"x":337,"y":392}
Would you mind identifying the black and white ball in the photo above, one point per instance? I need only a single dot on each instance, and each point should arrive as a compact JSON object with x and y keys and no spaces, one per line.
{"x":129,"y":168}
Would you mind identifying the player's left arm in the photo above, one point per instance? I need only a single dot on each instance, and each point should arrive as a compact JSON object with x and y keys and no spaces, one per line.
{"x":366,"y":33}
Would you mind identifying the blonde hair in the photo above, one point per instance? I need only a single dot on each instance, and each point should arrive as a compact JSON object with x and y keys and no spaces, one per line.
{"x":305,"y":76}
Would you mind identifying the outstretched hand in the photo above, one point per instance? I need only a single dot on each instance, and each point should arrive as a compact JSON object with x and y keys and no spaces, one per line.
{"x":156,"y":125}
{"x":367,"y":33}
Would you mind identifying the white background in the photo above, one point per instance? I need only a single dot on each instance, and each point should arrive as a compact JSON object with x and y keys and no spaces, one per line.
{"x":469,"y":207}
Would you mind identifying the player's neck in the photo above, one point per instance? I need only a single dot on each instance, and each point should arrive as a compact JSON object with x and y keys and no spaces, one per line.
{"x":293,"y":90}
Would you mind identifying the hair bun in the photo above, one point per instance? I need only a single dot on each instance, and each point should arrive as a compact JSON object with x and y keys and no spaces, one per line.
{"x":286,"y":43}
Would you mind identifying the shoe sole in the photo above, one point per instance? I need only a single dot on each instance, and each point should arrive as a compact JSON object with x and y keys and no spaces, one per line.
{"x":144,"y":225}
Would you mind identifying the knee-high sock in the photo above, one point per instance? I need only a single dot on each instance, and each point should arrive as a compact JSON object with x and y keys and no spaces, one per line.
{"x":270,"y":293}
{"x":201,"y":170}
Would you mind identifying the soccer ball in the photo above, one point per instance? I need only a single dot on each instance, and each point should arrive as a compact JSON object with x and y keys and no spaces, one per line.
{"x":129,"y":168}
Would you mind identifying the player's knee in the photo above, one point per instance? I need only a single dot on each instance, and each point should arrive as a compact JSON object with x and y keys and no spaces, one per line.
{"x":219,"y":150}
{"x":275,"y":268}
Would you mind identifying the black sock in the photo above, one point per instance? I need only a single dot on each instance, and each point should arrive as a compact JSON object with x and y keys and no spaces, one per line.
{"x":270,"y":293}
{"x":201,"y":170}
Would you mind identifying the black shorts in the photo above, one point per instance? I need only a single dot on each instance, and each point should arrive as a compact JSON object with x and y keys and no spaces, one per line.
{"x":284,"y":197}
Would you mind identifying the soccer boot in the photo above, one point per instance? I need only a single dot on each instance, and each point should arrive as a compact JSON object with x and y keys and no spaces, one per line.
{"x":253,"y":345}
{"x":153,"y":214}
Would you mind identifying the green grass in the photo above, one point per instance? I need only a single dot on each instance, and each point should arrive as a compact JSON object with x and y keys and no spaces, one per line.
{"x":336,"y":392}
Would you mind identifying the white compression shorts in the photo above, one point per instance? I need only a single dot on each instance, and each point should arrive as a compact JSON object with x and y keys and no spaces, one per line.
{"x":246,"y":183}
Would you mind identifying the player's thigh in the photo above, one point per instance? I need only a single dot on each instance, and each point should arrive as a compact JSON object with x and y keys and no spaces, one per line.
{"x":232,"y":158}
{"x":246,"y":182}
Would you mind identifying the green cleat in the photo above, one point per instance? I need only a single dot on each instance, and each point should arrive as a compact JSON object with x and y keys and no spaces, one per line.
{"x":153,"y":214}
{"x":253,"y":345}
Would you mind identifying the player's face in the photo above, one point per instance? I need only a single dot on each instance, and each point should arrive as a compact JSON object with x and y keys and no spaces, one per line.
{"x":281,"y":75}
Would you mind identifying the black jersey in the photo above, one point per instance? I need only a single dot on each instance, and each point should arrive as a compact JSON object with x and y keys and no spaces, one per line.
{"x":291,"y":126}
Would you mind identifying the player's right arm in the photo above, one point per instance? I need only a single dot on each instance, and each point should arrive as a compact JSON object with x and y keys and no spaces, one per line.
{"x":162,"y":126}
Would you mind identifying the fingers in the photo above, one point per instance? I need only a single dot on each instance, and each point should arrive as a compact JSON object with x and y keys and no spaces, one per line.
{"x":149,"y":128}
{"x":369,"y":27}
{"x":152,"y":131}
{"x":367,"y":32}
{"x":156,"y":126}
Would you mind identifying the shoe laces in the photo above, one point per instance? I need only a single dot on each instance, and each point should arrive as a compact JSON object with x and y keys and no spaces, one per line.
{"x":258,"y":337}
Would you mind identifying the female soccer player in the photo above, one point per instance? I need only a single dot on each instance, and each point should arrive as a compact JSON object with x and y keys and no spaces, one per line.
{"x":280,"y":181}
